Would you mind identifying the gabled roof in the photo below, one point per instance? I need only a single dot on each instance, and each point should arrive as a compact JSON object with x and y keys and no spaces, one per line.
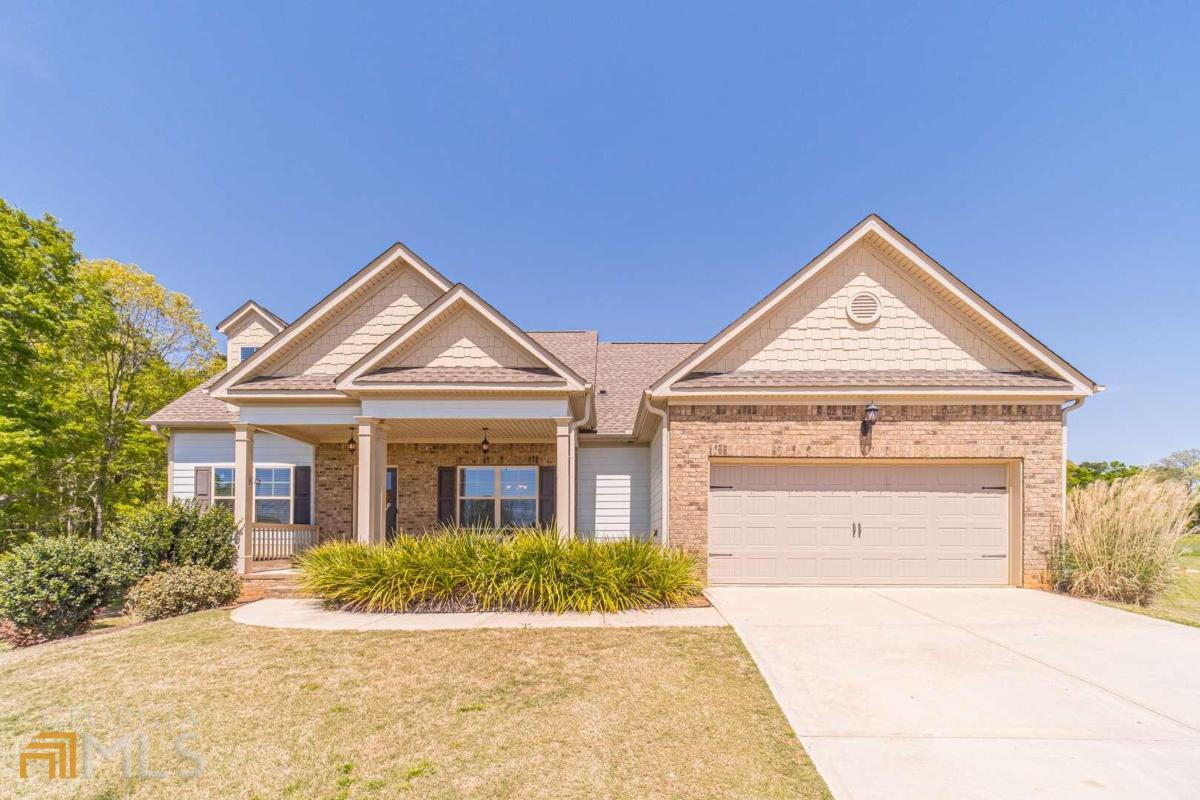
{"x":352,"y":379}
{"x":252,"y":307}
{"x":874,"y":230}
{"x":330,"y":304}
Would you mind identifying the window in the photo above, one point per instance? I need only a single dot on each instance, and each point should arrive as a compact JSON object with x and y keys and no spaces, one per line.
{"x":273,"y":494}
{"x":497,"y":497}
{"x":247,"y":351}
{"x":222,"y":491}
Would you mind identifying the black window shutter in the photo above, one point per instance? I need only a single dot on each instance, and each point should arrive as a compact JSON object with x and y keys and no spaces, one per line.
{"x":203,"y":491}
{"x":446,"y":494}
{"x":302,"y":497}
{"x":547,"y":492}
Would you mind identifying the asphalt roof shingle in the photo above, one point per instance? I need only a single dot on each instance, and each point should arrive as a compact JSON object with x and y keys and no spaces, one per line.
{"x":801,"y":379}
{"x":196,"y":406}
{"x":576,"y":349}
{"x":623,"y":371}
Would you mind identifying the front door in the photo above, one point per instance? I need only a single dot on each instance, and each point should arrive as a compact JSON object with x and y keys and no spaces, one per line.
{"x":389,"y":503}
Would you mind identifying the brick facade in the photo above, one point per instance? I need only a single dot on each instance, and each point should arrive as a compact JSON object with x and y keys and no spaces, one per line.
{"x":417,"y":472}
{"x":1030,"y":433}
{"x":333,"y":476}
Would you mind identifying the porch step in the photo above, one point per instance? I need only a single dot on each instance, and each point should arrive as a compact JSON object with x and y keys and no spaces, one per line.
{"x":275,"y":583}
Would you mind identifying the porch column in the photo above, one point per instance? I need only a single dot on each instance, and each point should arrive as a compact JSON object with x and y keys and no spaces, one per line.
{"x":372,"y":458}
{"x":243,"y":494}
{"x":564,"y":498}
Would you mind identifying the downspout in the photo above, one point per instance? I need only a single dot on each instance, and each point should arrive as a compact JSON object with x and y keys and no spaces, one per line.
{"x":1074,"y":405}
{"x":572,"y":466}
{"x":665,"y":519}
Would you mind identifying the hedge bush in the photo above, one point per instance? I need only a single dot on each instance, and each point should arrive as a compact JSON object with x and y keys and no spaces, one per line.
{"x":50,"y":588}
{"x":160,"y":535}
{"x":529,"y":570}
{"x":181,"y":590}
{"x":1122,"y":540}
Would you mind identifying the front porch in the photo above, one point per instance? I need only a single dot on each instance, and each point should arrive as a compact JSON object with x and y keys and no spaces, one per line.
{"x":382,"y":475}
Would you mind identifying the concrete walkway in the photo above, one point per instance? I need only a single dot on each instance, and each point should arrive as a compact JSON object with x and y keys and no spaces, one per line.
{"x":978,"y":693}
{"x":310,"y":615}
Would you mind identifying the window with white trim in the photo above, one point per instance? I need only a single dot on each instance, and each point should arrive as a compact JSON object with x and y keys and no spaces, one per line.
{"x":497,"y":497}
{"x":246,"y":351}
{"x":273,"y":495}
{"x":222,"y":488}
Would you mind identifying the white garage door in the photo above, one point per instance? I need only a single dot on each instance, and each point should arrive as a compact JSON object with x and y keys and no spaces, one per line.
{"x":884,"y":524}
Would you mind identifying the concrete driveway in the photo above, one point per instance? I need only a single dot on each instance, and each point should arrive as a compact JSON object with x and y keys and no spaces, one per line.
{"x":978,"y":693}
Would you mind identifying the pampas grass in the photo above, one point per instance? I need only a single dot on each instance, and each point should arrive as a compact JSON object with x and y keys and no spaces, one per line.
{"x":528,"y":570}
{"x":1122,"y":541}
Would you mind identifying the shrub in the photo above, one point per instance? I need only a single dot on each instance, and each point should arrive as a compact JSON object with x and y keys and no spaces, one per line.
{"x":160,"y":535}
{"x":181,"y":590}
{"x":50,"y":588}
{"x":530,"y":570}
{"x":1122,"y":539}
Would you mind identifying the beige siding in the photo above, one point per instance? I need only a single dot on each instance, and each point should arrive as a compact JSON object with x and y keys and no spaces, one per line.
{"x":465,"y":339}
{"x":812,"y":331}
{"x":215,"y":449}
{"x":373,"y":317}
{"x":613,"y":492}
{"x":253,"y":333}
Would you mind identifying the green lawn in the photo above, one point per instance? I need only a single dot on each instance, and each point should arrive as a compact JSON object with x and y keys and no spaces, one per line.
{"x":609,"y":713}
{"x":1181,"y":602}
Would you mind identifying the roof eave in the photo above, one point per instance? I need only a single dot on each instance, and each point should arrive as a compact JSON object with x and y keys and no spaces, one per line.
{"x":950,"y":393}
{"x":248,"y":307}
{"x":354,"y":390}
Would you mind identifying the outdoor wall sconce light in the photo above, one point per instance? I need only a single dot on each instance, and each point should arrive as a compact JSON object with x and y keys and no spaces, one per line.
{"x":485,"y":445}
{"x":870,"y":417}
{"x":352,"y":445}
{"x":871,"y":414}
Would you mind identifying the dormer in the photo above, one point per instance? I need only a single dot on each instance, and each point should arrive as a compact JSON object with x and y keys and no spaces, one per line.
{"x":247,"y":329}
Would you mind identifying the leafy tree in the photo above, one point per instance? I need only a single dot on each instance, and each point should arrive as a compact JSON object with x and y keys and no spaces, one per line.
{"x":37,"y":297}
{"x":1086,"y":472}
{"x":87,"y":350}
{"x":1183,"y":464}
{"x":134,"y":346}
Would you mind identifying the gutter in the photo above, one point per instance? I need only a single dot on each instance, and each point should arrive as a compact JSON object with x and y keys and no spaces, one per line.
{"x":572,"y":466}
{"x":664,"y":535}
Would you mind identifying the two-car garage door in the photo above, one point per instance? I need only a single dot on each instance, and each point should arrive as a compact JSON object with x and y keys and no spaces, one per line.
{"x":933,"y":524}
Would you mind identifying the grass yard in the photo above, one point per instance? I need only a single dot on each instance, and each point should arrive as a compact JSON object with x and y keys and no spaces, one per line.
{"x":1181,"y":602}
{"x":292,"y":715}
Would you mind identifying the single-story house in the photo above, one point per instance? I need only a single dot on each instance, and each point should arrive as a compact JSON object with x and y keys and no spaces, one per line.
{"x":872,"y":420}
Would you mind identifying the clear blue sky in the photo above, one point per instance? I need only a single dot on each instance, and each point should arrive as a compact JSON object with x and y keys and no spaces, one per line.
{"x":1049,"y":154}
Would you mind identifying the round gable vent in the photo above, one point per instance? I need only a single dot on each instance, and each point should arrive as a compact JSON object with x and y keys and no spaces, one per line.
{"x":864,"y":308}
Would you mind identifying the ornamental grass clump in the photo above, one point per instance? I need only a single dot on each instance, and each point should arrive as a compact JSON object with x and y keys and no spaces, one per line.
{"x":1122,"y":541}
{"x":526,"y":570}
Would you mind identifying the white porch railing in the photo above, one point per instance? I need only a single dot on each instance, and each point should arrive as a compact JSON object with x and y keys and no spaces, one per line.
{"x":274,"y":542}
